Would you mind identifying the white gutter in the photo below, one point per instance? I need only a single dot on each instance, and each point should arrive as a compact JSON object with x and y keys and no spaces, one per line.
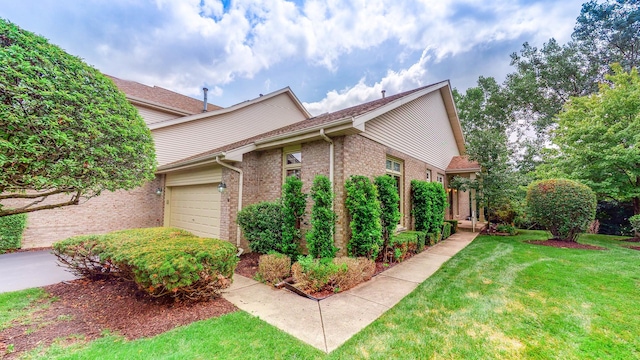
{"x":240,"y":186}
{"x":331,"y":152}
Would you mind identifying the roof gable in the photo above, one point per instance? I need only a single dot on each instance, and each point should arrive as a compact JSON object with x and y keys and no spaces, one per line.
{"x":349,"y":120}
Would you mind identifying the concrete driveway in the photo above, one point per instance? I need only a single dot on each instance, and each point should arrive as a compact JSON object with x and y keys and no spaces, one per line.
{"x":23,"y":270}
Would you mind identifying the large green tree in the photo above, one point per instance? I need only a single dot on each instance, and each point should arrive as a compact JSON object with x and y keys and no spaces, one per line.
{"x":598,"y":138}
{"x":65,"y":129}
{"x":483,"y":112}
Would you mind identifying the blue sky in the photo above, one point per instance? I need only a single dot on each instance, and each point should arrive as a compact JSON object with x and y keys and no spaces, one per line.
{"x":333,"y":54}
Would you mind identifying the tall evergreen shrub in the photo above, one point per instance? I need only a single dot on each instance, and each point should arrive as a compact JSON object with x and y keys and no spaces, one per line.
{"x":364,"y":210}
{"x":323,"y":220}
{"x":429,"y":203}
{"x":11,"y":229}
{"x":389,"y":207}
{"x":294,"y":203}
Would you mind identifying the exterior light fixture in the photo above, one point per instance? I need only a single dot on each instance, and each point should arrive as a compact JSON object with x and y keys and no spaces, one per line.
{"x":222,"y":187}
{"x":159,"y":191}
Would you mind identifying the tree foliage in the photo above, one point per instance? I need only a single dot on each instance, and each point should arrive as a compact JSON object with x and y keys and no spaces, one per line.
{"x":564,"y":207}
{"x":389,"y":200}
{"x":64,"y":127}
{"x":484,"y":115}
{"x":597,"y":139}
{"x":364,"y":210}
{"x":323,"y":220}
{"x":294,"y":204}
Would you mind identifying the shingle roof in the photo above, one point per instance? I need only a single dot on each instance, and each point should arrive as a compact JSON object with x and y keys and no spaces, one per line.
{"x":462,"y":162}
{"x":161,"y":96}
{"x":305,"y":124}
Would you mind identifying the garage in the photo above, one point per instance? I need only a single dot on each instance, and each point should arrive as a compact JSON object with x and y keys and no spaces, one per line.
{"x":192,"y":202}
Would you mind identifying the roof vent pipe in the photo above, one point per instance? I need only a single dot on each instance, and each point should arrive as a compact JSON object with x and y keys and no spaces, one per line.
{"x":204,"y":109}
{"x":383,"y":92}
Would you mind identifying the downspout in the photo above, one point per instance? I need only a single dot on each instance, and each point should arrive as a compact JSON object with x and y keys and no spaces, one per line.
{"x":327,"y":139}
{"x":240,"y":186}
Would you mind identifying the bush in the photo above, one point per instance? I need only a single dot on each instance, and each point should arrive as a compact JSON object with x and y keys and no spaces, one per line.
{"x":339,"y":274}
{"x":364,"y":210}
{"x":429,"y":202}
{"x":294,"y":204}
{"x":11,"y":229}
{"x":389,"y":207}
{"x":506,"y":229}
{"x":323,"y":220}
{"x":454,"y":225}
{"x":274,"y":267}
{"x":163,"y":262}
{"x":312,"y":274}
{"x":446,"y":230}
{"x":358,"y":270}
{"x":635,"y":223}
{"x":261,"y":225}
{"x":564,"y":207}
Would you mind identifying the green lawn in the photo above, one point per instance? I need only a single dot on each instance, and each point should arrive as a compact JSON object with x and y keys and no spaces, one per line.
{"x":498,"y":298}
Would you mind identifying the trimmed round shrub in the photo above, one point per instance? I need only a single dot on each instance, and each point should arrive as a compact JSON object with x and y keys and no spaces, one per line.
{"x":163,"y":262}
{"x":274,"y":267}
{"x":337,"y":274}
{"x":563,"y":207}
{"x":261,"y":225}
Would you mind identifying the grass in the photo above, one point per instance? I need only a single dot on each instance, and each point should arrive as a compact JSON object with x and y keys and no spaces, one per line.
{"x":19,"y":304}
{"x":498,"y":298}
{"x":504,"y":298}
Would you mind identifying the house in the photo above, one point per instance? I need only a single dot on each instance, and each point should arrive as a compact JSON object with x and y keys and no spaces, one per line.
{"x":248,"y":149}
{"x":411,"y":135}
{"x":180,"y":129}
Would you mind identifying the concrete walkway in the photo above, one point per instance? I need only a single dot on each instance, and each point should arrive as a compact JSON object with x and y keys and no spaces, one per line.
{"x":28,"y":269}
{"x":328,"y":323}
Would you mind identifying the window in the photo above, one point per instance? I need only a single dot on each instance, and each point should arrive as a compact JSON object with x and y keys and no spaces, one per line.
{"x":292,"y":162}
{"x":394,"y":169}
{"x":440,"y":179}
{"x":428,"y":174}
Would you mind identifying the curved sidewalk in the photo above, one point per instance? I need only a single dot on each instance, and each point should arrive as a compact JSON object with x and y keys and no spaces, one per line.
{"x":328,"y":323}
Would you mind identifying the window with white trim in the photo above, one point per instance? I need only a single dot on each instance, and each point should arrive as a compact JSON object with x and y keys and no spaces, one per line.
{"x":428,"y":174}
{"x":292,"y":162}
{"x":440,"y":178}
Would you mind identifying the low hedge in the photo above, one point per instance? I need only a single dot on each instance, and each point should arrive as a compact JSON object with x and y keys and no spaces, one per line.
{"x":446,"y":230}
{"x":11,"y":229}
{"x":338,"y":274}
{"x":163,"y":262}
{"x":274,"y":267}
{"x":407,"y":243}
{"x":454,"y":225}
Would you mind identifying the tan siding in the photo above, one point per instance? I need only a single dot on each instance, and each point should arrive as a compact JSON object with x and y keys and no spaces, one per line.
{"x":205,"y":175}
{"x":183,"y":140}
{"x":152,"y":116}
{"x":420,"y":129}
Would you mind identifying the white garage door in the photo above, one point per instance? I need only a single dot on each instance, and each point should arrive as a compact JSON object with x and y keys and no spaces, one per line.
{"x":196,"y":208}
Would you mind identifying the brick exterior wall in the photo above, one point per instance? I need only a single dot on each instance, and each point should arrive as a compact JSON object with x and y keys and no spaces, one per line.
{"x":354,"y":155}
{"x":110,"y":211}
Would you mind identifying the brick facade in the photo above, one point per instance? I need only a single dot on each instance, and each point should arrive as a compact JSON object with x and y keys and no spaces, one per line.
{"x":353,"y":155}
{"x":140,"y":207}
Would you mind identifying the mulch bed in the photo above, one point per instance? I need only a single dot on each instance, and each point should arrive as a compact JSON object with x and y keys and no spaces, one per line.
{"x":634,"y":247}
{"x":88,"y":308}
{"x":565,"y":244}
{"x":633,"y":239}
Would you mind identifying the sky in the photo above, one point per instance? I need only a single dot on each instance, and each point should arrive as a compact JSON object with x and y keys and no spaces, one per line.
{"x":333,"y":54}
